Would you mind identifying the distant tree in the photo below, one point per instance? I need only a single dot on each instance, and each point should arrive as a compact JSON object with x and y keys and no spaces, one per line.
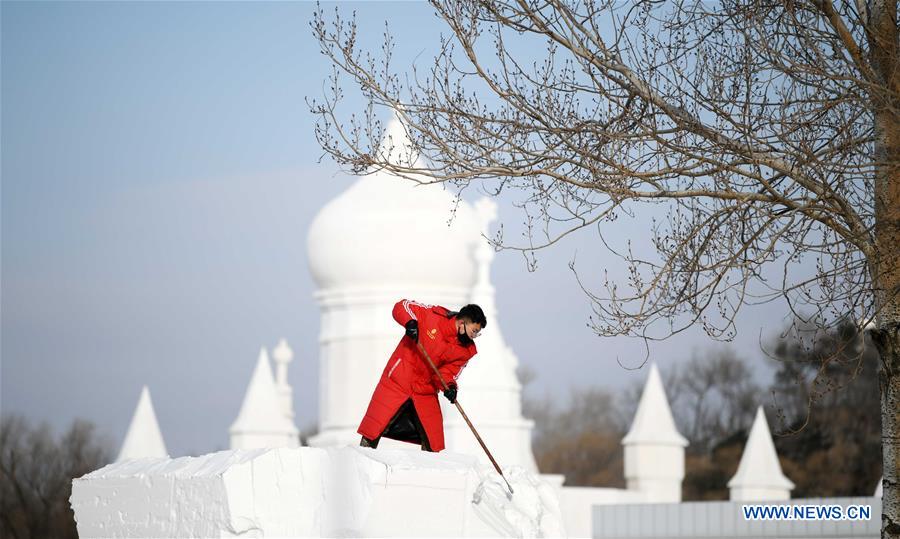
{"x":538,"y":409}
{"x":628,"y":397}
{"x":829,"y":445}
{"x":828,"y":423}
{"x":712,"y":397}
{"x":758,"y":138}
{"x":36,"y":472}
{"x":580,"y":439}
{"x":707,"y":474}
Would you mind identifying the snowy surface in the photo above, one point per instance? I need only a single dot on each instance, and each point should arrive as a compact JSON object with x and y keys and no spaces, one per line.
{"x":531,"y":510}
{"x":313,"y":492}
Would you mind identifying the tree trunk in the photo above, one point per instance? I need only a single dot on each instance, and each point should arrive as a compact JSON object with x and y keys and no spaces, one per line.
{"x":888,"y":342}
{"x":886,"y":280}
{"x":884,"y":55}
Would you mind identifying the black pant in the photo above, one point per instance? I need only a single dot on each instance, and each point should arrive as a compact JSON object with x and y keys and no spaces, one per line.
{"x":404,"y":426}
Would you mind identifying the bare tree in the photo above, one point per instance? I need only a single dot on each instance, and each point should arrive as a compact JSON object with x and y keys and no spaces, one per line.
{"x":835,"y":450}
{"x":712,"y":397}
{"x":36,"y":472}
{"x":761,"y":136}
{"x":580,"y":440}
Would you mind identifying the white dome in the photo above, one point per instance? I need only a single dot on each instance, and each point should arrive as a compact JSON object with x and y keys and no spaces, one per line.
{"x":389,"y":232}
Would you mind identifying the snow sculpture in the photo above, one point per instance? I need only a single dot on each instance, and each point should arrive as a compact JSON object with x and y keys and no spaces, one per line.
{"x":283,"y":355}
{"x":262,"y":421}
{"x":382,"y":240}
{"x":312,"y":492}
{"x":144,"y":438}
{"x":654,"y":449}
{"x":759,"y":476}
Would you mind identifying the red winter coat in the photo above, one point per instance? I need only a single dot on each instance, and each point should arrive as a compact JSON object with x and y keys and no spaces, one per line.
{"x":407,"y":374}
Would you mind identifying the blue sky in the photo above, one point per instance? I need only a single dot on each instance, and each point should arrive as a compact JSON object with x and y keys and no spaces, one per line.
{"x":159,"y":174}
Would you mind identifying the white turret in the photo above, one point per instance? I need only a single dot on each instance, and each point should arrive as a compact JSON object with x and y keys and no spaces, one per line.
{"x":144,"y":438}
{"x":283,"y":355}
{"x":654,"y":449}
{"x":488,"y":385}
{"x":759,"y":476}
{"x":262,"y":421}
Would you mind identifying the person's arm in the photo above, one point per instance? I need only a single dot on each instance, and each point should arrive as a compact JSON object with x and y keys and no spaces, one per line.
{"x":407,"y":309}
{"x":450,"y":371}
{"x":406,"y":313}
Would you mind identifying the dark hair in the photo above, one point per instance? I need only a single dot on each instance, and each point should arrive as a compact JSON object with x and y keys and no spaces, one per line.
{"x":474,"y":314}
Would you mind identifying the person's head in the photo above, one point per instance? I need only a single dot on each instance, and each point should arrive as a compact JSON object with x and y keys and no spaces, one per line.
{"x":469,"y":322}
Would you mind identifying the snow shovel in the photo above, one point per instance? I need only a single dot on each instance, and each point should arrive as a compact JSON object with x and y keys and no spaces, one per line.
{"x":469,"y":423}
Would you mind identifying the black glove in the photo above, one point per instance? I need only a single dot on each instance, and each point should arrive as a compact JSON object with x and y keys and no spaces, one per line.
{"x":450,"y":393}
{"x":412,"y":330}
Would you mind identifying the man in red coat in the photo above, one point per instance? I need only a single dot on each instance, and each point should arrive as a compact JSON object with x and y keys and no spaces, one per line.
{"x":404,"y":405}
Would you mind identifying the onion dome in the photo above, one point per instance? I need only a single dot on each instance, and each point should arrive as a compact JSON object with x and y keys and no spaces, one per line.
{"x":389,"y":233}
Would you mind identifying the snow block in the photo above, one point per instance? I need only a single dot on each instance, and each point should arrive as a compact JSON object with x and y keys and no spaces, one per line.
{"x":312,"y":492}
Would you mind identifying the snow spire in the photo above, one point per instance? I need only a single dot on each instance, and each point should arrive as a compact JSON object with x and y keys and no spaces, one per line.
{"x":144,"y":438}
{"x":261,"y":421}
{"x":489,"y":381}
{"x":759,"y":475}
{"x":654,"y":449}
{"x":483,"y":293}
{"x":283,"y":355}
{"x":653,"y":423}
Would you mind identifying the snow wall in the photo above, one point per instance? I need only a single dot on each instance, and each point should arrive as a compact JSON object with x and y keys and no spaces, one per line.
{"x":313,"y":492}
